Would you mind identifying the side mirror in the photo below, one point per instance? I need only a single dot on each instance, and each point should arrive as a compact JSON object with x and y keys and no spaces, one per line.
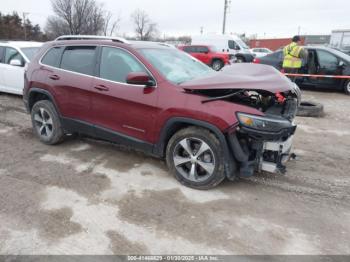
{"x":16,"y":62}
{"x":341,"y":64}
{"x":139,"y":78}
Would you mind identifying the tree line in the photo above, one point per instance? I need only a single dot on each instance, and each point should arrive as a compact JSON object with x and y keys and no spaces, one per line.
{"x":80,"y":17}
{"x":13,"y":27}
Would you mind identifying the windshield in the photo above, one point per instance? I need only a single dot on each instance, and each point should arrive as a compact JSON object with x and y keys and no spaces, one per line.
{"x":341,"y":55}
{"x":242,"y":44}
{"x":30,"y":52}
{"x":176,"y":66}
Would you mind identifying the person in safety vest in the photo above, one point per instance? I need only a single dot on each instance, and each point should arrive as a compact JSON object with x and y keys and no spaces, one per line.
{"x":293,"y":55}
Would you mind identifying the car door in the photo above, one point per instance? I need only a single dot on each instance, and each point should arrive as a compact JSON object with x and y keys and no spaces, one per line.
{"x":121,"y":109}
{"x":274,"y":59}
{"x":327,"y":64}
{"x":68,"y":72}
{"x":12,"y":75}
{"x":2,"y":83}
{"x":203,"y":54}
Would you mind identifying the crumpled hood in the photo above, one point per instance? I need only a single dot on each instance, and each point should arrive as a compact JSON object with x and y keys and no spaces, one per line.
{"x":243,"y":76}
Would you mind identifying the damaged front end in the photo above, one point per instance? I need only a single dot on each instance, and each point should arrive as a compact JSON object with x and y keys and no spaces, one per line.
{"x":260,"y":142}
{"x":261,"y":138}
{"x":264,"y":142}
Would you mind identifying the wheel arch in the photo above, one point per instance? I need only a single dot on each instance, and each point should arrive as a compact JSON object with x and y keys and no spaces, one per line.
{"x":37,"y":94}
{"x":175,"y":124}
{"x":217,"y":59}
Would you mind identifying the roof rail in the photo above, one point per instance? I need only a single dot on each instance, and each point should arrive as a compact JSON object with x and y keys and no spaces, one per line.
{"x":92,"y":37}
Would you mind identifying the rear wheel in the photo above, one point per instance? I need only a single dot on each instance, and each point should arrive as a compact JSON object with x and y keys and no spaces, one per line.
{"x":194,"y":155}
{"x":347,"y":87}
{"x":217,"y":65}
{"x":240,"y":59}
{"x":46,"y":123}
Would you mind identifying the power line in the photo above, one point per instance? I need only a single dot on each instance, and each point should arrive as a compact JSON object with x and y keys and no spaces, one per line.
{"x":226,"y":7}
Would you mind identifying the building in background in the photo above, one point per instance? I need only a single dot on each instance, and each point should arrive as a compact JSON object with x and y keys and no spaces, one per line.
{"x":277,"y":43}
{"x":340,"y":39}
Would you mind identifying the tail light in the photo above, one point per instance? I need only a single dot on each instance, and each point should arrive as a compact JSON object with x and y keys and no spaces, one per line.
{"x":256,"y":61}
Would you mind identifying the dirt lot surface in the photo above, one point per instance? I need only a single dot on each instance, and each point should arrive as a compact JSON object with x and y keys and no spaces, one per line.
{"x":90,"y":197}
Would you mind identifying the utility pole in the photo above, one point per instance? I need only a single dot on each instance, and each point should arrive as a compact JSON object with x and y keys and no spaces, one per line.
{"x":299,"y":28}
{"x":227,"y":3}
{"x":201,"y":30}
{"x":24,"y":25}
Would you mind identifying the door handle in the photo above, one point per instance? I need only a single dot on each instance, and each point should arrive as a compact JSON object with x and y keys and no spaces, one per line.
{"x":54,"y":77}
{"x":101,"y":88}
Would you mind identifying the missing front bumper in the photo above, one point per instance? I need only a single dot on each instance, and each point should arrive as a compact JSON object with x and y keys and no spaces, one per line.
{"x":275,"y":155}
{"x":267,"y":153}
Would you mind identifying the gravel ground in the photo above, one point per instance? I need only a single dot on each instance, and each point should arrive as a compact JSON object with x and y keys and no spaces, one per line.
{"x":90,"y":197}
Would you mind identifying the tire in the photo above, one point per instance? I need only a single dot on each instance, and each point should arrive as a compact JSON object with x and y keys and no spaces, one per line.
{"x":46,"y":123}
{"x":217,"y":65}
{"x":191,"y":172}
{"x":310,"y":109}
{"x":347,"y":87}
{"x":240,"y":59}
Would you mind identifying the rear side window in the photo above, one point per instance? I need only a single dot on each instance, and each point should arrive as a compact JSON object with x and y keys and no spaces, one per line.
{"x":53,"y":57}
{"x":2,"y":51}
{"x":80,"y":59}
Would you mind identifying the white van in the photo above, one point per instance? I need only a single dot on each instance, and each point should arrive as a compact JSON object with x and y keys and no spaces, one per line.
{"x":13,"y":57}
{"x":231,"y":44}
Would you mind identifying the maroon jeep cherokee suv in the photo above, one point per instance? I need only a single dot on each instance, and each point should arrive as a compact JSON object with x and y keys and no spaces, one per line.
{"x":208,"y":125}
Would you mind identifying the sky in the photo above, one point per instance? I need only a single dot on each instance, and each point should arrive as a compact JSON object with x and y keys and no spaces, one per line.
{"x":266,"y":18}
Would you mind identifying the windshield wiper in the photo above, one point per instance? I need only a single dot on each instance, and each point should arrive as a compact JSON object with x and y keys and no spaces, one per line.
{"x":222,"y":97}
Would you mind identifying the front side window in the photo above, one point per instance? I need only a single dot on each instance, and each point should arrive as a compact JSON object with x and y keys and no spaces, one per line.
{"x":116,"y":64}
{"x":52,"y":57}
{"x":12,"y":54}
{"x":176,"y":66}
{"x":203,"y":49}
{"x":233,"y":45}
{"x":326,"y":59}
{"x":79,"y":59}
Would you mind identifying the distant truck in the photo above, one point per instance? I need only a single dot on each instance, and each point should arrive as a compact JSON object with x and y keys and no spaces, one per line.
{"x":340,"y":39}
{"x":230,"y":44}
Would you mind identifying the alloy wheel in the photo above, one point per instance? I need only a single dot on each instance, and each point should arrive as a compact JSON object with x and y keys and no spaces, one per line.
{"x":217,"y":66}
{"x":194,"y":159}
{"x":43,"y":123}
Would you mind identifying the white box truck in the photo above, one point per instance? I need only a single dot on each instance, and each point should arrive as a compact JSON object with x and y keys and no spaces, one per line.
{"x":231,"y":44}
{"x":340,"y":39}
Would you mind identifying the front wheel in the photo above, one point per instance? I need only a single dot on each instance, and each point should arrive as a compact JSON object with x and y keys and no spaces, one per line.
{"x":347,"y":87}
{"x":217,"y":65}
{"x":195,"y":157}
{"x":240,"y":59}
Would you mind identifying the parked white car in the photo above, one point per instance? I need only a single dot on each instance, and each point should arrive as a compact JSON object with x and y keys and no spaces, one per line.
{"x":13,"y":57}
{"x":260,"y":52}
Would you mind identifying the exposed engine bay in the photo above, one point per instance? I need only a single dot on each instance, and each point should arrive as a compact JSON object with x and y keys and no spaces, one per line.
{"x":266,"y":145}
{"x":282,"y":104}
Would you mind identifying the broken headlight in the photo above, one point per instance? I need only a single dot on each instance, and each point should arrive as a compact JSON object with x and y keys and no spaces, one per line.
{"x":263,"y":123}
